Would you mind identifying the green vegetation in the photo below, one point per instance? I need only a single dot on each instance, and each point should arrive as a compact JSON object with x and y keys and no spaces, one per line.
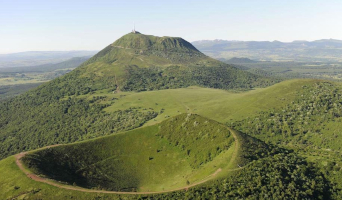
{"x":220,"y":105}
{"x":54,"y":112}
{"x":123,"y":162}
{"x":142,"y":79}
{"x":9,"y":91}
{"x":309,"y":124}
{"x":27,"y":125}
{"x":283,"y":176}
{"x":155,"y":158}
{"x":281,"y":167}
{"x":314,"y":106}
{"x":290,"y":69}
{"x":278,"y":174}
{"x":121,"y":88}
{"x":138,"y":62}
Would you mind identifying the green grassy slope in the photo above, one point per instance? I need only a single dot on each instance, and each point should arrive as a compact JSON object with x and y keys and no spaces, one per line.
{"x":156,"y":158}
{"x":138,"y":62}
{"x":41,"y":111}
{"x":220,"y":105}
{"x":148,"y":51}
{"x":38,"y":118}
{"x":271,"y":175}
{"x":52,"y":113}
{"x":276,"y":97}
{"x":101,"y":98}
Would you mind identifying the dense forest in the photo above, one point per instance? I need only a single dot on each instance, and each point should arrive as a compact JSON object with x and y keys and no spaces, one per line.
{"x":222,"y":77}
{"x":282,"y":176}
{"x":28,"y":123}
{"x":314,"y":107}
{"x":309,"y":125}
{"x":8,"y":91}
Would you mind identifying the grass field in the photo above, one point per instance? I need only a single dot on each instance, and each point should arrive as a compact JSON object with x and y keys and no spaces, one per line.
{"x":14,"y":184}
{"x":183,"y":150}
{"x":220,"y":105}
{"x":129,"y":157}
{"x":224,"y":106}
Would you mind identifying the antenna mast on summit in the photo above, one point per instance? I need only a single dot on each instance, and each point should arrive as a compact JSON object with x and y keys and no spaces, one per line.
{"x":134,"y":31}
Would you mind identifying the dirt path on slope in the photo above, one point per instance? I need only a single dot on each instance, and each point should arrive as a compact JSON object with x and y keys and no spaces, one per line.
{"x":236,"y":149}
{"x":75,"y":188}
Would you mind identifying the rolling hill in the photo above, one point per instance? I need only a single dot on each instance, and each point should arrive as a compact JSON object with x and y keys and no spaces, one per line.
{"x":157,"y":161}
{"x":182,"y":150}
{"x":17,"y":80}
{"x":236,"y":60}
{"x":68,"y":64}
{"x":55,"y":112}
{"x":144,"y":109}
{"x":138,"y":62}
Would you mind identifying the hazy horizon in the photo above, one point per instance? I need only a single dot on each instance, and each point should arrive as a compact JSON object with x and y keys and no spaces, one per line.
{"x":1,"y":53}
{"x":85,"y":25}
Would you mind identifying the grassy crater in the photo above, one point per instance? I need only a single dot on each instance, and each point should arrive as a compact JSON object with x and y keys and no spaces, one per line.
{"x":175,"y":153}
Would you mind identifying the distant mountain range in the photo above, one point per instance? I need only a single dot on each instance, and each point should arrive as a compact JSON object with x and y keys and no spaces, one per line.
{"x":318,"y":50}
{"x":67,"y":64}
{"x":236,"y":60}
{"x":33,"y":58}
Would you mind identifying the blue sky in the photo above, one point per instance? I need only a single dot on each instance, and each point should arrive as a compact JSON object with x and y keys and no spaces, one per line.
{"x":27,"y":25}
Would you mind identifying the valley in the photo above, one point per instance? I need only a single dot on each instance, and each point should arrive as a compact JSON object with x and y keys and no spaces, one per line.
{"x":17,"y":80}
{"x":290,"y":69}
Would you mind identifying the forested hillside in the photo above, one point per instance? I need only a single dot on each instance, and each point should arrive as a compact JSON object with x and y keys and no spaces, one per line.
{"x":139,"y":62}
{"x":310,"y":125}
{"x":56,"y":113}
{"x":29,"y":124}
{"x":282,"y":176}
